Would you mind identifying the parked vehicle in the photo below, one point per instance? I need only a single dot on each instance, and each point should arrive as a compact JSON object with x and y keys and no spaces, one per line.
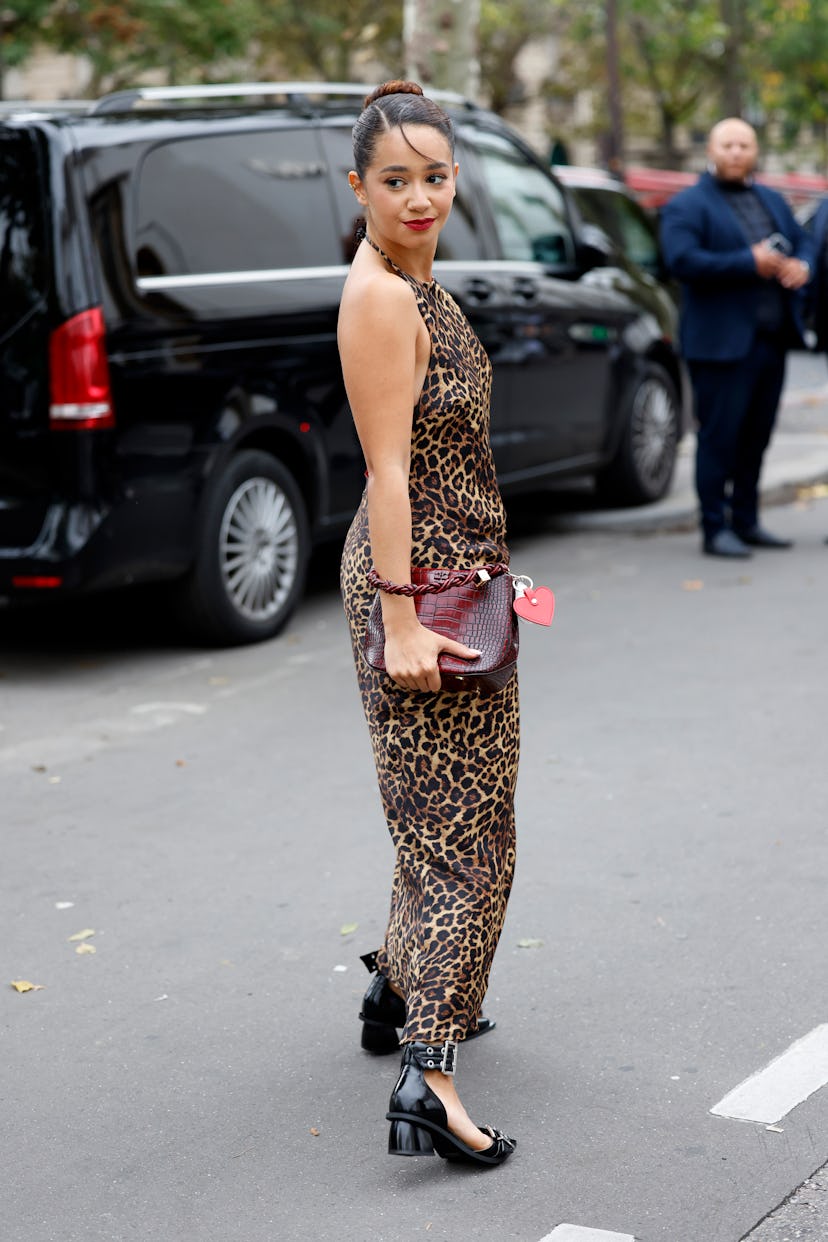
{"x":171,"y":404}
{"x":609,"y":204}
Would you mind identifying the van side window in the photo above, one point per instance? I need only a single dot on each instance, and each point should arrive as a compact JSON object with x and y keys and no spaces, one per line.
{"x":250,"y":201}
{"x":638,"y":234}
{"x":460,"y":239}
{"x":529,"y":209}
{"x":22,"y":257}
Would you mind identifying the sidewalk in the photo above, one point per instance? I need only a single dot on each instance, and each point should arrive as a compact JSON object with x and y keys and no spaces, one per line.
{"x":797,"y":458}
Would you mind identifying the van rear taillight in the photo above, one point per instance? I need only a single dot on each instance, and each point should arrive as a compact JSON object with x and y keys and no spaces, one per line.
{"x":79,"y":373}
{"x":37,"y":582}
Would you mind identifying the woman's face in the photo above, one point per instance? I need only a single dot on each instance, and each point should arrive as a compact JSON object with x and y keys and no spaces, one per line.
{"x":408,"y":188}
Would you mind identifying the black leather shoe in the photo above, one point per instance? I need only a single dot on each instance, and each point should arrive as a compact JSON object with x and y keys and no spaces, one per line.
{"x":419,"y":1125}
{"x":383,"y":1012}
{"x":758,"y":537}
{"x":726,"y":543}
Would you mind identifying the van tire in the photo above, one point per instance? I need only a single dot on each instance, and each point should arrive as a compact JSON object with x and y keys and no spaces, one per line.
{"x":644,"y":463}
{"x":252,"y":551}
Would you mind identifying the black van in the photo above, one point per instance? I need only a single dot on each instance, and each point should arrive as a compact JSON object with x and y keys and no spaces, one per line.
{"x":171,"y":405}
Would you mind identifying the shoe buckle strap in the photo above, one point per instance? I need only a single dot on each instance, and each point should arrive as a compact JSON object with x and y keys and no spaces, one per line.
{"x":448,"y":1064}
{"x":442,"y":1057}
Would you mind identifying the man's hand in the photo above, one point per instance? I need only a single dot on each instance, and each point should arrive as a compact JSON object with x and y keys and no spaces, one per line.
{"x":793,"y":273}
{"x":768,"y":262}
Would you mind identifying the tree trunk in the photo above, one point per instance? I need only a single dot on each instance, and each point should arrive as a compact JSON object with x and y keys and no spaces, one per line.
{"x":615,"y":137}
{"x":733,"y":95}
{"x":440,"y":44}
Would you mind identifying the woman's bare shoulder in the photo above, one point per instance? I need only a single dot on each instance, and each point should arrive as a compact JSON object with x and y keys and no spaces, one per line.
{"x":374,"y":292}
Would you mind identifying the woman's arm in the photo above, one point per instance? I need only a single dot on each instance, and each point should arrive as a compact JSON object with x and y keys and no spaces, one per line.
{"x":384,"y":348}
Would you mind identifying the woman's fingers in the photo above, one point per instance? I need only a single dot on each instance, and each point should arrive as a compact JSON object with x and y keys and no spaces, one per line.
{"x":422,"y":672}
{"x":459,"y":649}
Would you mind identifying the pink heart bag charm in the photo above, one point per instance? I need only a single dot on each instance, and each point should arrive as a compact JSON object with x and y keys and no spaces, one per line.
{"x":536,"y":604}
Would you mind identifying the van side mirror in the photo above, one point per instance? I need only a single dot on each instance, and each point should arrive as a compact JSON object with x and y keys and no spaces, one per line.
{"x":595,"y":248}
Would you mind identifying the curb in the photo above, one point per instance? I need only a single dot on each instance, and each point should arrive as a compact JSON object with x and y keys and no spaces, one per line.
{"x":793,"y":462}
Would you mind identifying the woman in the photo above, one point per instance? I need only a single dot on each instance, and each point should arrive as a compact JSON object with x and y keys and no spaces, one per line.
{"x":418,"y":384}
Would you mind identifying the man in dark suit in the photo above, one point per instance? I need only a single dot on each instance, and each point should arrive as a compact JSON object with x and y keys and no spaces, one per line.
{"x":740,"y":256}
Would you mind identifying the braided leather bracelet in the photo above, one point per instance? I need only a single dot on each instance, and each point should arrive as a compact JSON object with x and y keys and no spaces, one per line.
{"x":454,"y":578}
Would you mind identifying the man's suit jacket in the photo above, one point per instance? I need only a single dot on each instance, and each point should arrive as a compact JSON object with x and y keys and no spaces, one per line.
{"x":706,"y":248}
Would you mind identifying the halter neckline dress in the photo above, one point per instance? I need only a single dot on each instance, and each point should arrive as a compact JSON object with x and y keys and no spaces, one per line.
{"x":446,"y":762}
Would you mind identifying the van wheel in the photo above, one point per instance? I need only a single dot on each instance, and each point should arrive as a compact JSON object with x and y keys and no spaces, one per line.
{"x":252,"y":552}
{"x":643,"y":466}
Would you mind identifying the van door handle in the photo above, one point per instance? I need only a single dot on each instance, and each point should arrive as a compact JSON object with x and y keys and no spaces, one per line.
{"x":478,"y":290}
{"x":525,"y":289}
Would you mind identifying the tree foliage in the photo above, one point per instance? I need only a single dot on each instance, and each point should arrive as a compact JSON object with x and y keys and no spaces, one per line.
{"x":125,"y":40}
{"x":328,"y":39}
{"x":505,"y":30}
{"x":795,"y":82}
{"x":676,"y":61}
{"x":690,"y":62}
{"x":21,"y":29}
{"x":683,"y":63}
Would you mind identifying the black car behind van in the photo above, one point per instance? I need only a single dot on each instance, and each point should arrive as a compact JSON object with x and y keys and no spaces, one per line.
{"x":171,"y":405}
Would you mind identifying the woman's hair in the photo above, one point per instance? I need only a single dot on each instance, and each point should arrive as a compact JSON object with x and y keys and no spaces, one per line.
{"x":392,"y":106}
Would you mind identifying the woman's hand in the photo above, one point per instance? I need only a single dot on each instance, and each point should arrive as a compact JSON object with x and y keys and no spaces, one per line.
{"x":411,"y":657}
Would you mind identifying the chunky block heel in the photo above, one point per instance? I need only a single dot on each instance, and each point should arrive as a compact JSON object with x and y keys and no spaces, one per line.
{"x":419,"y":1125}
{"x":379,"y":1038}
{"x":407,"y":1139}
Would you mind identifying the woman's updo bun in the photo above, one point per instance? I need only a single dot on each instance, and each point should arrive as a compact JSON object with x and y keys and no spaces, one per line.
{"x":393,"y":105}
{"x":396,"y":87}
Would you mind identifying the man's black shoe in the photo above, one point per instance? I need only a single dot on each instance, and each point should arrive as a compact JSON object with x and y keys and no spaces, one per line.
{"x":758,"y":537}
{"x":726,"y":543}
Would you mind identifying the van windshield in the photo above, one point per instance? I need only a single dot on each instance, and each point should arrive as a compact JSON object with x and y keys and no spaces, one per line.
{"x":22,"y":257}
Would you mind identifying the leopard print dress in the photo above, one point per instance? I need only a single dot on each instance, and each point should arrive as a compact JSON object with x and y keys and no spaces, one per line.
{"x":446,"y":762}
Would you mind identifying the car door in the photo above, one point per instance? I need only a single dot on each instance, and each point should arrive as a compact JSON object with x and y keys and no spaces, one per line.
{"x":564,"y":332}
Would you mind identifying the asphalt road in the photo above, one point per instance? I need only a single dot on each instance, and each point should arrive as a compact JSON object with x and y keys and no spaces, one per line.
{"x":211,"y":816}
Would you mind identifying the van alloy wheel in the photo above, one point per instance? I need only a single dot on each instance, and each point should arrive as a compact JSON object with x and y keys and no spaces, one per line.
{"x":253,"y":546}
{"x":642,"y":469}
{"x":258,"y":549}
{"x":653,"y":425}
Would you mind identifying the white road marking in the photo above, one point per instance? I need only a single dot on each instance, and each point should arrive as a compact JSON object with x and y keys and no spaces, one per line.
{"x":770,"y":1094}
{"x":164,"y":709}
{"x":579,"y":1233}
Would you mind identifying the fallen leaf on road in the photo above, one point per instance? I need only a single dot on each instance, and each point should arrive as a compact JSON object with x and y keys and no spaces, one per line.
{"x":23,"y":985}
{"x":39,"y":767}
{"x":181,"y":763}
{"x":86,"y":948}
{"x":692,"y":584}
{"x":83,"y":935}
{"x":816,"y":491}
{"x":347,"y":929}
{"x":314,"y":1132}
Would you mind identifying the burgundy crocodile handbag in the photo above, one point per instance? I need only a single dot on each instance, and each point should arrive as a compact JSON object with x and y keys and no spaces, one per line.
{"x":477,"y":613}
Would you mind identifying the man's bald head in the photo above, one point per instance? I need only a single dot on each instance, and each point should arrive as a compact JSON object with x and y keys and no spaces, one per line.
{"x":733,"y":149}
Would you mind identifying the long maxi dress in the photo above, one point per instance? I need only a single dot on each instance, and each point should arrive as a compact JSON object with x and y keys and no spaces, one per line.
{"x":446,"y":762}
